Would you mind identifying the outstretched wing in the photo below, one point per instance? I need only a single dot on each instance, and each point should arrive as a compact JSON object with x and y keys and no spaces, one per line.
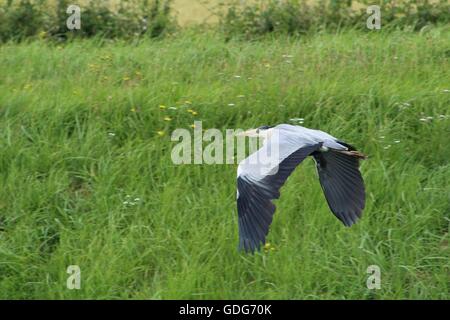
{"x":257,"y":185}
{"x":342,"y":183}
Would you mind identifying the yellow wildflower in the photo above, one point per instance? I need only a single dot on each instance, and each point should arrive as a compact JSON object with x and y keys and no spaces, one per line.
{"x":160,"y":133}
{"x":167,"y":119}
{"x":268,"y":247}
{"x":192,"y":126}
{"x":162,"y":107}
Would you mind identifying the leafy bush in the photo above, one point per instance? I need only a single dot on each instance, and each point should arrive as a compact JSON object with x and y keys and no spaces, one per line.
{"x":21,"y":20}
{"x":300,"y":16}
{"x":132,"y":18}
{"x":416,"y":13}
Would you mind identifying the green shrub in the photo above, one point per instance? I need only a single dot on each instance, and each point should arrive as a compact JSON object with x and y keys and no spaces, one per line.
{"x":256,"y":18}
{"x":417,"y":13}
{"x":132,"y":18}
{"x":21,"y":20}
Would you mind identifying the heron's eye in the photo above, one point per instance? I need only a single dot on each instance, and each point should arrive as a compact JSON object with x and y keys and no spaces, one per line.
{"x":257,"y":130}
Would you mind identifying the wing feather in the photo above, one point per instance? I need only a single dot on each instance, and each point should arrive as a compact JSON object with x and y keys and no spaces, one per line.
{"x":255,"y":195}
{"x":342,"y":184}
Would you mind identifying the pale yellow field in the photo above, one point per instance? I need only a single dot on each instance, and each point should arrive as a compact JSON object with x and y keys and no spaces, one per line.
{"x":198,"y":11}
{"x":193,"y":11}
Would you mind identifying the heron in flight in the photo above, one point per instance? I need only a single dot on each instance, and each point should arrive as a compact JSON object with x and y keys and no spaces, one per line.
{"x":261,"y":175}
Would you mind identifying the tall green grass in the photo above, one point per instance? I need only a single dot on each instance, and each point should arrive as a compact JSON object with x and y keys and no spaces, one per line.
{"x":81,"y":132}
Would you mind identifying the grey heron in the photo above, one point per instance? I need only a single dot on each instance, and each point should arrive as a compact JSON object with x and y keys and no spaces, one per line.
{"x":261,"y":175}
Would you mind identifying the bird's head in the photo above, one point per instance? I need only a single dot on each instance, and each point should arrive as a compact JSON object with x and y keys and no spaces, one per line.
{"x":261,"y":132}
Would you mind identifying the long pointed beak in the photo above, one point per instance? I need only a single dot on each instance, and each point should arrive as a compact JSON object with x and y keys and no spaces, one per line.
{"x":248,"y":133}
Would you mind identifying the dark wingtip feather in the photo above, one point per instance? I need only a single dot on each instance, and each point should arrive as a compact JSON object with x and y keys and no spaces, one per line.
{"x":342,"y":184}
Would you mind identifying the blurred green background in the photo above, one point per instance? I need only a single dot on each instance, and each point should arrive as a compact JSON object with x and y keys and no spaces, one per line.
{"x":87,"y":178}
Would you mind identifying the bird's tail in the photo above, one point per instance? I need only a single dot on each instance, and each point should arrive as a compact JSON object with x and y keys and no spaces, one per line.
{"x":351,"y":151}
{"x":354,"y":153}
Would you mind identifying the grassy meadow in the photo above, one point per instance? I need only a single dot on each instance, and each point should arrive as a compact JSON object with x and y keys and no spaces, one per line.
{"x":87,"y":179}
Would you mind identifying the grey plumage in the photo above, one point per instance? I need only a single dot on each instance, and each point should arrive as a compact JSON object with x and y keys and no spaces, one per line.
{"x":259,"y":183}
